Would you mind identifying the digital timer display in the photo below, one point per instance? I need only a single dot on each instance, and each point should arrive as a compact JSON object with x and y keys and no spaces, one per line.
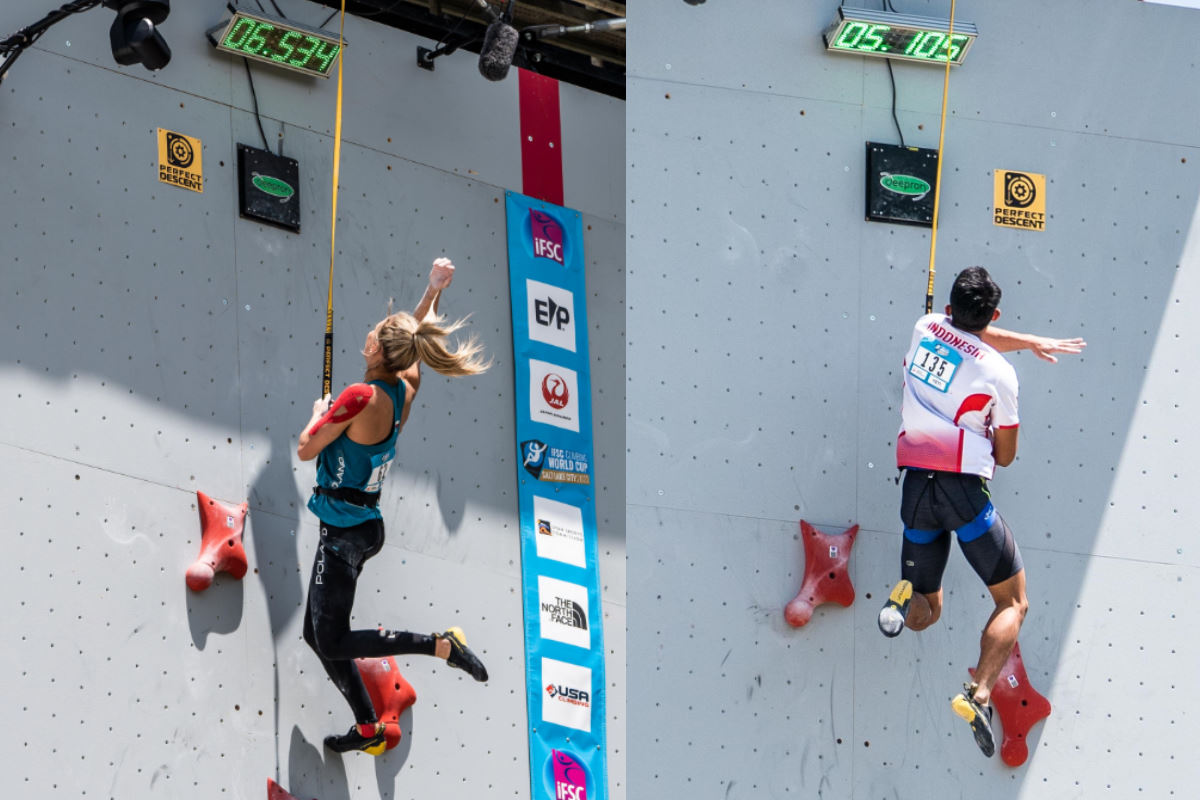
{"x":279,"y":42}
{"x":865,"y":32}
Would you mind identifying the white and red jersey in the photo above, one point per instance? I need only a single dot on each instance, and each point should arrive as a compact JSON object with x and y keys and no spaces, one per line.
{"x":956,"y":390}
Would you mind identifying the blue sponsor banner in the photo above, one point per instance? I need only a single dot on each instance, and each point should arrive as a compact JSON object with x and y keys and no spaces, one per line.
{"x":564,"y":645}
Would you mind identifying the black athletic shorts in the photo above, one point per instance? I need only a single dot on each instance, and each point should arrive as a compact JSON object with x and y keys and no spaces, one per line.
{"x":933,"y":505}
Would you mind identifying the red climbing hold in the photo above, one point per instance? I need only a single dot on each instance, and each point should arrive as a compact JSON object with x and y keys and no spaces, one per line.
{"x":390,"y":693}
{"x":1019,"y":705}
{"x":825,"y":577}
{"x":221,"y":547}
{"x":277,"y":792}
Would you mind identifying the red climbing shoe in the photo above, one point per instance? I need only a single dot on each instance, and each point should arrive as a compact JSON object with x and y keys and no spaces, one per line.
{"x":891,"y":616}
{"x":979,"y":716}
{"x":372,"y":743}
{"x":461,"y":656}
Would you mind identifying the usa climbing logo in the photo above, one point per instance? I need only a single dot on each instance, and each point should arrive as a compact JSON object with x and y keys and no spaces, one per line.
{"x":547,"y":236}
{"x":567,"y":694}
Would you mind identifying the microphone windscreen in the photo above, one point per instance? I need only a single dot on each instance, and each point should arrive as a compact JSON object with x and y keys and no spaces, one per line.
{"x":499,"y":47}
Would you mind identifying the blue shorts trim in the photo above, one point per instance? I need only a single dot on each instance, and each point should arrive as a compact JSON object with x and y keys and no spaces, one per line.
{"x":979,"y":526}
{"x":917,"y":536}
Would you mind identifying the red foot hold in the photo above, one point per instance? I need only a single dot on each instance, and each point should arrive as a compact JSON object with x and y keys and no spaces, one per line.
{"x":1019,"y":705}
{"x":221,"y":547}
{"x":277,"y":792}
{"x":825,"y":577}
{"x":390,"y":693}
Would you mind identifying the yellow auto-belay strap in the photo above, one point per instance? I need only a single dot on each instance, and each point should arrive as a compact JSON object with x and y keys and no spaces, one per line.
{"x":327,"y":373}
{"x":937,"y":195}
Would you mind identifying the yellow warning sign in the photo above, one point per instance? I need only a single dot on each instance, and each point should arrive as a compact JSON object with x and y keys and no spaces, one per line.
{"x":179,"y":160}
{"x":1020,"y":200}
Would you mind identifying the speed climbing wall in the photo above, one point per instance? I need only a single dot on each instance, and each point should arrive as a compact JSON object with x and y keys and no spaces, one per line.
{"x":767,"y":322}
{"x":156,"y":344}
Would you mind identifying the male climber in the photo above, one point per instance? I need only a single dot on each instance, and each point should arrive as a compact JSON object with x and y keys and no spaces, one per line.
{"x":959,"y":420}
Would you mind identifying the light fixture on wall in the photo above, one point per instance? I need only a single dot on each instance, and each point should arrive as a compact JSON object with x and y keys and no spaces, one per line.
{"x":134,"y":33}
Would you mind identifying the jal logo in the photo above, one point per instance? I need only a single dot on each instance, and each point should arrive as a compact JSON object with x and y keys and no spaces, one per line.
{"x":904,"y":184}
{"x":273,"y":186}
{"x":568,"y":694}
{"x":547,"y":236}
{"x":570,"y":777}
{"x":555,"y":391}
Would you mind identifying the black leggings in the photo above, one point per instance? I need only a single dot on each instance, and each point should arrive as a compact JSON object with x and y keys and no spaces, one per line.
{"x":341,"y":554}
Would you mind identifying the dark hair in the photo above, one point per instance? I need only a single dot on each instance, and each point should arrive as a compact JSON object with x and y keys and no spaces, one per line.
{"x":973,"y":299}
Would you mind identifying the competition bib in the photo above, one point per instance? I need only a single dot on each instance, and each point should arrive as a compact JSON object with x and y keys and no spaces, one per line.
{"x":379,"y":469}
{"x":935,"y":364}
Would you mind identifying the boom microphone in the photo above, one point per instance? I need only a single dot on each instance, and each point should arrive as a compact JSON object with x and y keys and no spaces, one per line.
{"x":555,"y":31}
{"x":499,"y":47}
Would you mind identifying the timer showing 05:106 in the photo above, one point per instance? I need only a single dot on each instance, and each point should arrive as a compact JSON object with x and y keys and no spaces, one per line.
{"x":281,"y":43}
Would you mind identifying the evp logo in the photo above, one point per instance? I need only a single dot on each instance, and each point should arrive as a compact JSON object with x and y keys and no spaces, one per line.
{"x":547,"y":236}
{"x":550,"y":314}
{"x":567,"y":695}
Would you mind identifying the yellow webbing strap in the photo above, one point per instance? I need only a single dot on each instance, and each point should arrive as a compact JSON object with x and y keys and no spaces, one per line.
{"x":937,"y":195}
{"x":327,"y":376}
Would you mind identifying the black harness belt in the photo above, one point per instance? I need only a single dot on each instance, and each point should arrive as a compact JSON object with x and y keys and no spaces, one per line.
{"x":355,"y":496}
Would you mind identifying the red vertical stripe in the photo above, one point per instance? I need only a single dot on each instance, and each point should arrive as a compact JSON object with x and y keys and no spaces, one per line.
{"x":541,"y":138}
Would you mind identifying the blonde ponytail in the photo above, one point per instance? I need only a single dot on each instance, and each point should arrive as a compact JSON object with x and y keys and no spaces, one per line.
{"x":404,"y":341}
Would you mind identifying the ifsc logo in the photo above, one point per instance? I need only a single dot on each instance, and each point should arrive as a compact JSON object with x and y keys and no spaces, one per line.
{"x":547,"y":236}
{"x":565,"y":776}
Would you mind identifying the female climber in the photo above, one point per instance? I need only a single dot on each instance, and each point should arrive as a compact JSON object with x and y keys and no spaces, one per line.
{"x":353,"y":439}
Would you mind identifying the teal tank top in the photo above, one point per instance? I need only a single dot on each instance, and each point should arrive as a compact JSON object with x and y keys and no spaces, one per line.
{"x":345,"y":463}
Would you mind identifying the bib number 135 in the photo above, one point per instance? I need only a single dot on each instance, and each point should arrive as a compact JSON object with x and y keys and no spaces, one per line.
{"x":935,"y":364}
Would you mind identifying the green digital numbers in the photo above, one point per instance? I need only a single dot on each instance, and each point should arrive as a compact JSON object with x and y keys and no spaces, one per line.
{"x":274,"y":42}
{"x":871,"y":38}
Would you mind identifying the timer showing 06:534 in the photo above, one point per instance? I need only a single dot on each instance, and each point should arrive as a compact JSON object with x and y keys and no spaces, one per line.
{"x":279,"y":42}
{"x":867,"y":32}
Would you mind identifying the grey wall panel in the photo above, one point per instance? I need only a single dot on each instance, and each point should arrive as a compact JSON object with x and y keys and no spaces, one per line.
{"x":1096,"y":495}
{"x":737,"y":284}
{"x":1015,"y":72}
{"x":755,"y":708}
{"x":593,"y":171}
{"x":158,"y":344}
{"x":710,"y":44}
{"x":451,"y":119}
{"x":99,"y":251}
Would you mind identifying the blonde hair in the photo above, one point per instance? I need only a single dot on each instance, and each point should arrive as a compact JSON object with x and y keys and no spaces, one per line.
{"x":404,"y":341}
